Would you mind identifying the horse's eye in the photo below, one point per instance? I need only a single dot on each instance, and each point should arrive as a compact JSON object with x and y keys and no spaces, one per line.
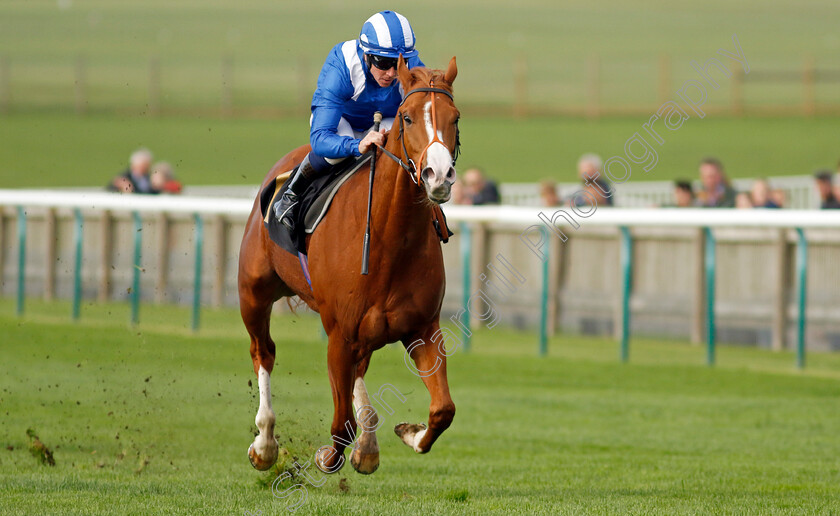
{"x":407,"y":119}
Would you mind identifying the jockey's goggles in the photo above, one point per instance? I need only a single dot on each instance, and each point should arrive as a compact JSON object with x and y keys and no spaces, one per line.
{"x":383,"y":63}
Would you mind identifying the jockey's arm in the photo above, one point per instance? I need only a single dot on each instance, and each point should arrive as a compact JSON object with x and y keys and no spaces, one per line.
{"x":332,"y":93}
{"x":323,"y":134}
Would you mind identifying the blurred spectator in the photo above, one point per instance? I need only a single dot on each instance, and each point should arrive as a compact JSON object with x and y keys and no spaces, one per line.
{"x":135,"y":179}
{"x":458,"y":194}
{"x":684,"y":194}
{"x":589,"y":169}
{"x":548,"y":193}
{"x":163,"y":179}
{"x":743,"y":201}
{"x":837,"y":187}
{"x":828,"y":199}
{"x":716,"y":192}
{"x":761,"y":196}
{"x":479,"y":189}
{"x":779,"y":197}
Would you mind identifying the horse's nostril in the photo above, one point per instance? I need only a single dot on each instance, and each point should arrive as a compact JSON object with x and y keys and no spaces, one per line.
{"x":427,"y":174}
{"x":450,"y":175}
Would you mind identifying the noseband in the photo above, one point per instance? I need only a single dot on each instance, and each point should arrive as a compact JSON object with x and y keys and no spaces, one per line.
{"x":411,"y":166}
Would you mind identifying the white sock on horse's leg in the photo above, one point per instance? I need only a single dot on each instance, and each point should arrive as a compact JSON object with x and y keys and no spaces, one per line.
{"x":369,"y":417}
{"x":265,"y":446}
{"x":265,"y":414}
{"x":365,"y":455}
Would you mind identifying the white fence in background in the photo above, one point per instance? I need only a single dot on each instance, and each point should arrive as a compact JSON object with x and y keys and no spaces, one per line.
{"x":490,"y":214}
{"x":756,"y":278}
{"x":800,"y":192}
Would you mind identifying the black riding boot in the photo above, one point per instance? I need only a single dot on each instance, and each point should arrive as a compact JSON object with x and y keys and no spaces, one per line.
{"x":287,"y":207}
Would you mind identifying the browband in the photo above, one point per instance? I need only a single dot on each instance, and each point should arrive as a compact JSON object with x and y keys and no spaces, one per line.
{"x":428,"y":90}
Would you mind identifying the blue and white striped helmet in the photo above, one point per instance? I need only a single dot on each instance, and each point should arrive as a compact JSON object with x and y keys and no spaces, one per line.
{"x":388,"y":34}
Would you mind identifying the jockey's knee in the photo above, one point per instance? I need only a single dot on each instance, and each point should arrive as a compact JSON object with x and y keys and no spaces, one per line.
{"x":321,"y":164}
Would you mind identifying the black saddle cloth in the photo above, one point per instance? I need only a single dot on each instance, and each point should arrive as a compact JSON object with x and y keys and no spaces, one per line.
{"x":314,"y":203}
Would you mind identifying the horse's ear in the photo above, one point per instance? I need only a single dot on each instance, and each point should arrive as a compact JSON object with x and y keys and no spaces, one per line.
{"x":403,"y":73}
{"x":451,"y":71}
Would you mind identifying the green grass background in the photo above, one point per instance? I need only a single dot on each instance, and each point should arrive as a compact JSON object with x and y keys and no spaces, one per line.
{"x":51,"y":150}
{"x":277,"y":48}
{"x":576,"y":432}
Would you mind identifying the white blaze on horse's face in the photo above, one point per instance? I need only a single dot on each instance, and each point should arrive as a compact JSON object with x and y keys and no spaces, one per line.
{"x":438,"y":172}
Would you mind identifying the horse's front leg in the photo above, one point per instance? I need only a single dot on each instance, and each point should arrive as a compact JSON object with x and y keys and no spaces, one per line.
{"x":427,"y":352}
{"x":365,"y":455}
{"x":341,"y":364}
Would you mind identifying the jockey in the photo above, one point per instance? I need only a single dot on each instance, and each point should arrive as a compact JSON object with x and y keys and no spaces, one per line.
{"x":358,"y":78}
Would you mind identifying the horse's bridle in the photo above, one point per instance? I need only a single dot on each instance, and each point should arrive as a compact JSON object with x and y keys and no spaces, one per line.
{"x":411,"y":166}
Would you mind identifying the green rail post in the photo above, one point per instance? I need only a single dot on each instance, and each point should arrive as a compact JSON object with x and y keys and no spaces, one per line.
{"x":135,"y":284}
{"x":802,"y":291}
{"x":466,"y":261}
{"x":711,"y":267}
{"x":21,"y":282}
{"x":626,"y":289}
{"x":543,"y":348}
{"x":199,"y":248}
{"x":77,"y":264}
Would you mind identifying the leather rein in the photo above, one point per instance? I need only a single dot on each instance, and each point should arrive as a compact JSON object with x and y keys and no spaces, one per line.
{"x":411,"y":166}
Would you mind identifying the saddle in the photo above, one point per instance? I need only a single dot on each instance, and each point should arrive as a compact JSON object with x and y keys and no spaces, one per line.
{"x":314,"y":203}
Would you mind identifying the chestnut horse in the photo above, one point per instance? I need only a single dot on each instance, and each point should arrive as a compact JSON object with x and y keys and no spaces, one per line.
{"x":399,"y":300}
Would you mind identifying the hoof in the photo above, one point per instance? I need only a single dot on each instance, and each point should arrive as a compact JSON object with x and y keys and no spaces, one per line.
{"x":364,"y":464}
{"x":321,"y":456}
{"x":262,"y":463}
{"x":411,"y":434}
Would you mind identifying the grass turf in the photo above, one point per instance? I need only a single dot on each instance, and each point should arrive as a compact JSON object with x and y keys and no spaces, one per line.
{"x":154,"y":419}
{"x":278,"y":47}
{"x":50,"y":150}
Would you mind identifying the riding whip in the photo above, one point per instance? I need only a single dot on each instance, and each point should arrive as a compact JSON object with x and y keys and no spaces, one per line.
{"x":377,"y":118}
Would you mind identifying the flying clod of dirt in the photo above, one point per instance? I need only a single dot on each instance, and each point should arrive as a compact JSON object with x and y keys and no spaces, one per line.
{"x":38,"y":449}
{"x":144,"y":461}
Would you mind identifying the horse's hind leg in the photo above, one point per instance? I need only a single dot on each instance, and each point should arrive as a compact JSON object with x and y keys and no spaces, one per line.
{"x":430,"y":364}
{"x":365,"y":455}
{"x":255,"y":306}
